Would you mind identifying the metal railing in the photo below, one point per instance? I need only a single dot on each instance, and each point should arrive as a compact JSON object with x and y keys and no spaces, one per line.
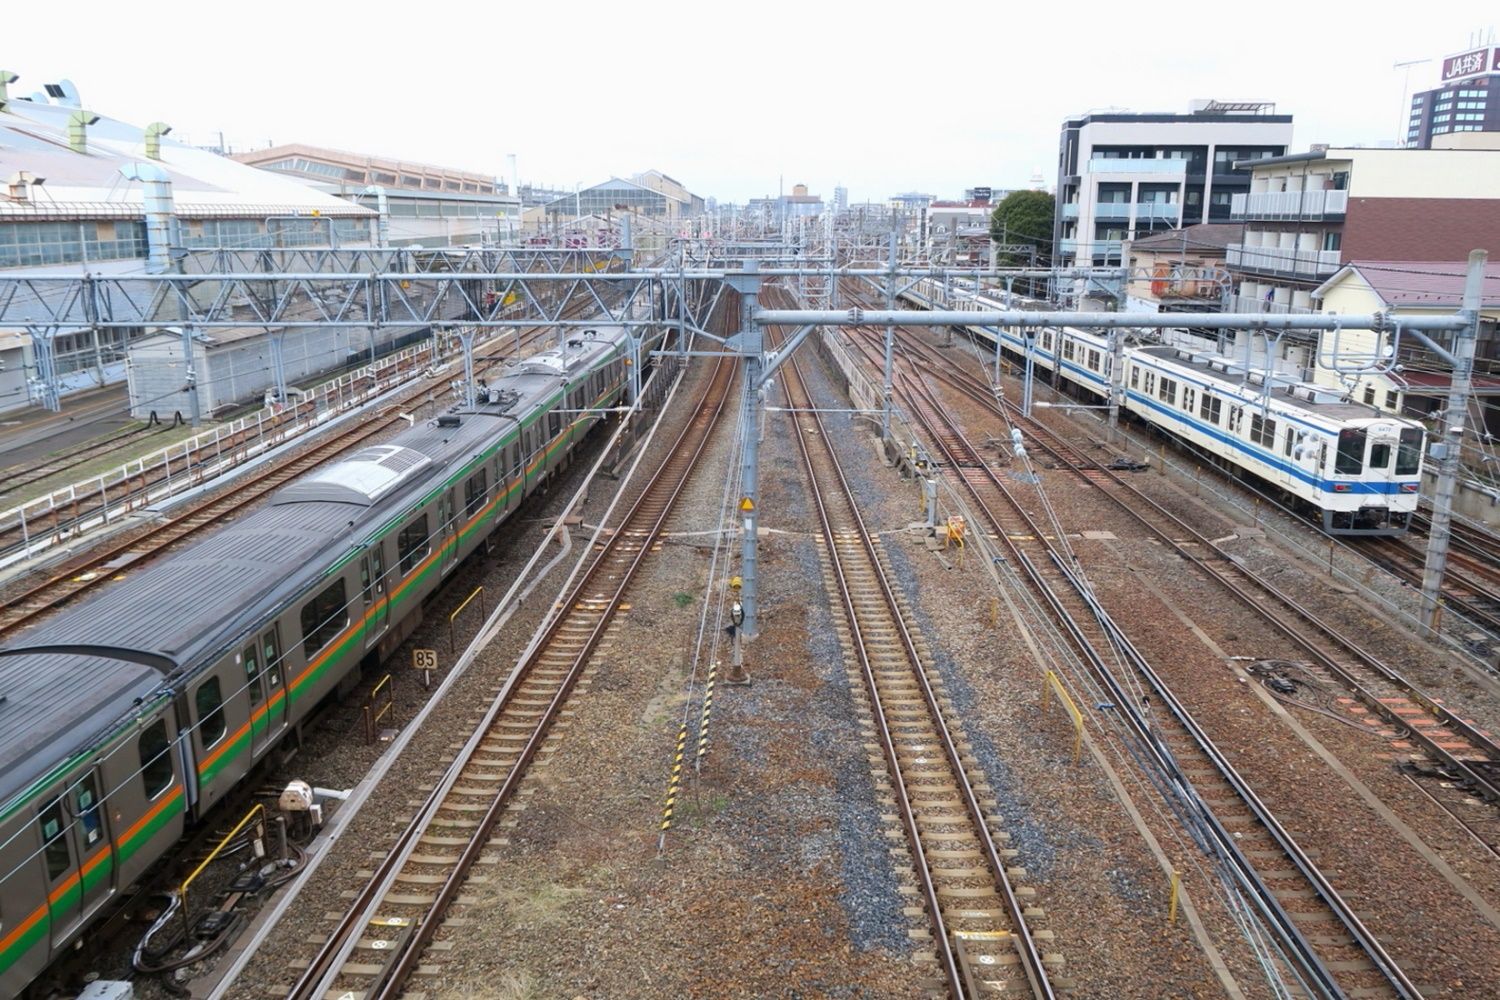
{"x":1107,"y":165}
{"x":1283,"y":260}
{"x":1251,"y":304}
{"x":1302,"y":205}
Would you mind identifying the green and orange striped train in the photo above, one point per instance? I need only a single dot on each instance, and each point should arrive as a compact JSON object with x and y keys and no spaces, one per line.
{"x":124,"y":719}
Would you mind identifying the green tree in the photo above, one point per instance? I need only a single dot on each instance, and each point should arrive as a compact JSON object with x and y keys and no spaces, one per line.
{"x":1024,"y":217}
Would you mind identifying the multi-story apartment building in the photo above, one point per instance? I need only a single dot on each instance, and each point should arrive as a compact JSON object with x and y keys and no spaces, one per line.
{"x":1122,"y":176}
{"x":1468,"y":101}
{"x":1308,"y":214}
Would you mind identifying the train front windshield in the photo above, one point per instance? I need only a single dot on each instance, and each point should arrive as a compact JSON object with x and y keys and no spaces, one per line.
{"x":1409,"y":452}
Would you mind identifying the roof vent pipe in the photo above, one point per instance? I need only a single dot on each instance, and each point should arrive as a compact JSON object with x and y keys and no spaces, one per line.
{"x":383,"y":223}
{"x":6,"y":79}
{"x":78,"y":123}
{"x":154,"y":132}
{"x":161,"y":217}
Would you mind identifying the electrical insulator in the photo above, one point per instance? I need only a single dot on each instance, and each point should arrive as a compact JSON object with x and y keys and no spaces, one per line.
{"x":737,"y":613}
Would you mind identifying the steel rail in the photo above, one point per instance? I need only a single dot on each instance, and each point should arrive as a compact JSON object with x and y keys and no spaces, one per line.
{"x":1291,"y":936}
{"x":1031,"y":958}
{"x":403,"y":959}
{"x":1050,"y":440}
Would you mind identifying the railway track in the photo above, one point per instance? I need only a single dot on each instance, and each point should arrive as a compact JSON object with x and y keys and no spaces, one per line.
{"x":1460,"y":750}
{"x":1317,"y":929}
{"x":378,"y":943}
{"x":78,"y":576}
{"x":980,"y":929}
{"x":18,"y":477}
{"x":1466,"y":588}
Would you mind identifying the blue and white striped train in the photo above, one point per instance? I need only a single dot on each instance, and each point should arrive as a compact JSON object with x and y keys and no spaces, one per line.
{"x":1359,"y":468}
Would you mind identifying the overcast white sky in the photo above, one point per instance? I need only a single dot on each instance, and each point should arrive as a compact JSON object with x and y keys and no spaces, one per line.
{"x":880,"y":97}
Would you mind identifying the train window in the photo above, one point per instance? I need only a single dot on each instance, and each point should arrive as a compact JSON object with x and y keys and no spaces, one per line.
{"x":1351,"y":454}
{"x":156,"y":762}
{"x":86,"y":808}
{"x":59,"y":859}
{"x":1150,"y":383}
{"x":252,"y":674}
{"x":1262,"y":430}
{"x":1409,"y":453}
{"x":1169,"y":391}
{"x":364,"y":578}
{"x":1187,"y":398}
{"x":1236,"y":419}
{"x":271,"y":644}
{"x":411,"y":544}
{"x":1067,"y":349}
{"x":210,"y":704}
{"x":1291,"y":441}
{"x":475,"y":490}
{"x":1135,"y":377}
{"x":1380,"y":456}
{"x":324,"y":617}
{"x":1211,"y":408}
{"x":1094,"y":360}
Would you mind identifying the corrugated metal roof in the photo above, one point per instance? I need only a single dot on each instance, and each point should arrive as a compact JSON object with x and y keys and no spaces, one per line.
{"x":1204,"y":236}
{"x":1419,"y":283}
{"x":52,"y":702}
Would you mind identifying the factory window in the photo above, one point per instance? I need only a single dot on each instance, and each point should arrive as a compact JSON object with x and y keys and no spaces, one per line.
{"x":474,"y":492}
{"x":411,"y":544}
{"x":1351,"y":454}
{"x":432,"y":184}
{"x":156,"y":760}
{"x":1262,"y":430}
{"x":324,"y":617}
{"x":1169,"y":391}
{"x":407,"y":180}
{"x":209,"y":702}
{"x":1409,"y":452}
{"x":381,"y":178}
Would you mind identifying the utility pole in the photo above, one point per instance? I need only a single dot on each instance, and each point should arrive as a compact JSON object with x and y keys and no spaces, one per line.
{"x":751,"y":347}
{"x":1447,"y":451}
{"x":1116,"y":380}
{"x":890,"y":345}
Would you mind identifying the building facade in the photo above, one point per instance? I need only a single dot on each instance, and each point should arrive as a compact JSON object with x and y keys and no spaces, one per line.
{"x":76,"y":190}
{"x":1308,"y":214}
{"x":1468,"y":101}
{"x":1181,"y":270}
{"x":1123,"y":176}
{"x":428,"y":205}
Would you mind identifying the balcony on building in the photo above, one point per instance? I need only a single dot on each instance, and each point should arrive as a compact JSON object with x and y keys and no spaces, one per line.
{"x":1117,"y":165}
{"x":1290,"y":206}
{"x":1070,"y":210}
{"x":1251,"y":304}
{"x":1283,"y":261}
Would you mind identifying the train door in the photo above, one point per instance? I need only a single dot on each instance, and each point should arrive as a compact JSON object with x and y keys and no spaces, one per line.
{"x":372,"y":573}
{"x":266,"y":681}
{"x":448,"y":519}
{"x":76,"y":855}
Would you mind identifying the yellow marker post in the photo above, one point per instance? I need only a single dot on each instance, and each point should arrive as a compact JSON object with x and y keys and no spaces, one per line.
{"x":1176,"y":891}
{"x":1055,"y":684}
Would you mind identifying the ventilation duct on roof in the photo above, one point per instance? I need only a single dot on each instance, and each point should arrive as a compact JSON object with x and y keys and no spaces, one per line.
{"x":78,"y":125}
{"x":161,"y":216}
{"x":6,"y":79}
{"x":20,"y":184}
{"x":154,"y":132}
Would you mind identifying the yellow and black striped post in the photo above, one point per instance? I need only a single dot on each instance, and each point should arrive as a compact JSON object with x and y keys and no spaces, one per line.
{"x":708,"y":709}
{"x":673,"y":785}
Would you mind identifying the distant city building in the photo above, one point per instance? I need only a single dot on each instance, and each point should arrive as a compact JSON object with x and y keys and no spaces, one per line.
{"x":797,"y":205}
{"x":841,"y":199}
{"x":613,"y":196}
{"x":434,"y":206}
{"x":66,"y":207}
{"x":1468,"y":102}
{"x":911,"y":201}
{"x":688,"y":205}
{"x":1123,"y":176}
{"x":1308,"y":214}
